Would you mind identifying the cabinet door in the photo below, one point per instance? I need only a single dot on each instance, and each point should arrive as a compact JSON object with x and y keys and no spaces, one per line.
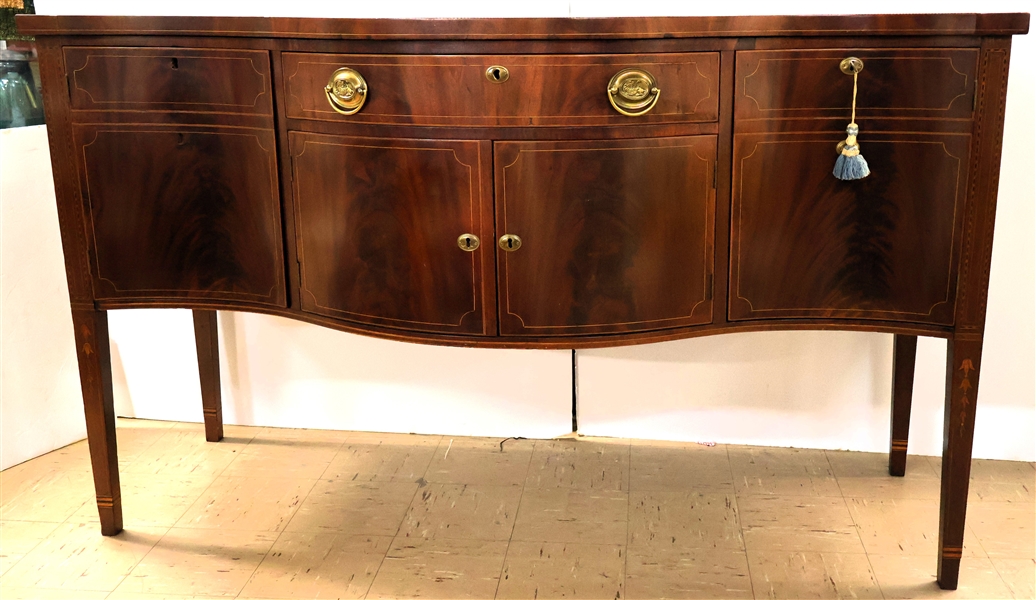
{"x":804,"y":244}
{"x":616,"y":236}
{"x":182,"y":212}
{"x":378,"y":223}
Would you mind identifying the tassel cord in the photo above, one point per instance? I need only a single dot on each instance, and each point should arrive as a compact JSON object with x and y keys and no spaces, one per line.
{"x":850,"y":164}
{"x":855,"y":75}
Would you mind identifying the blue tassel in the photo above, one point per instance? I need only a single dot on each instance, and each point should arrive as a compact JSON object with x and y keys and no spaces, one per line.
{"x":850,"y":164}
{"x":851,"y":167}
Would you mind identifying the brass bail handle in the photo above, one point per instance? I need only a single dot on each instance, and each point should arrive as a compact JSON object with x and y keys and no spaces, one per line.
{"x":346,"y":91}
{"x":633,"y":92}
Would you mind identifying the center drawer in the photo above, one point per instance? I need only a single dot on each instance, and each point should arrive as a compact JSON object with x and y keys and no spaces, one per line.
{"x":504,"y":90}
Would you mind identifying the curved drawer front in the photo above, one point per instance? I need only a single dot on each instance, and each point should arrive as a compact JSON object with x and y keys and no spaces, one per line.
{"x":169,"y":79}
{"x":908,"y":83}
{"x":806,"y":245}
{"x":560,"y":90}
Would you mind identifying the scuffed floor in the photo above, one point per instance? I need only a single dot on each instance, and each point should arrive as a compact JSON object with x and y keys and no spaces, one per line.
{"x":285,"y":513}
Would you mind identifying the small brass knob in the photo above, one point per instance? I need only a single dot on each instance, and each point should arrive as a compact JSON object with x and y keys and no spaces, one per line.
{"x":851,"y":65}
{"x":510,"y":243}
{"x":346,"y":91}
{"x":468,"y":242}
{"x":633,"y":92}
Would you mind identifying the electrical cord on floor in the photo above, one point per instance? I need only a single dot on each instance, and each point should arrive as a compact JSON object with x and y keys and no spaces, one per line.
{"x":507,"y":439}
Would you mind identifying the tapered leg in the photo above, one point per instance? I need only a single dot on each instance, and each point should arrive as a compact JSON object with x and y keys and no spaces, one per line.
{"x":95,"y":375}
{"x":962,"y":366}
{"x":903,"y":354}
{"x":208,"y":369}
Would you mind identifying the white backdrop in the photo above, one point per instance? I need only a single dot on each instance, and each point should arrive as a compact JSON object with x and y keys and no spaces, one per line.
{"x":40,"y":404}
{"x":804,"y":389}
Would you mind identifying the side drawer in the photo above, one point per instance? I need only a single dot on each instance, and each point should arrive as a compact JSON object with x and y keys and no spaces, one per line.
{"x":569,"y":90}
{"x":907,"y":83}
{"x":169,"y":79}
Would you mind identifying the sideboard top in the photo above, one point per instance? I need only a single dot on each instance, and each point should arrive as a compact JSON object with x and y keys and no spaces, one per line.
{"x":524,"y":28}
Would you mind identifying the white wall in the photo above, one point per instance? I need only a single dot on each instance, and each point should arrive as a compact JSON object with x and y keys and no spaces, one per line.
{"x":805,"y":389}
{"x":277,"y":371}
{"x":40,"y":404}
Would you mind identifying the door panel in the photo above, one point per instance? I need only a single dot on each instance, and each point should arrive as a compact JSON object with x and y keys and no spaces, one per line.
{"x":378,"y":223}
{"x":183,"y":212}
{"x":616,"y":235}
{"x":805,"y":244}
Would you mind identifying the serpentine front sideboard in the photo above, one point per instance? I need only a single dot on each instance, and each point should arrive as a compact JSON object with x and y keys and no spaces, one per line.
{"x":534,"y":183}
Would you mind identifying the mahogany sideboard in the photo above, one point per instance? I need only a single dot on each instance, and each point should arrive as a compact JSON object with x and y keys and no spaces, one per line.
{"x":532,"y":183}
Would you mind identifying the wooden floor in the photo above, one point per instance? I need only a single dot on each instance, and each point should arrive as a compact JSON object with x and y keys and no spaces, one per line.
{"x":281,"y":513}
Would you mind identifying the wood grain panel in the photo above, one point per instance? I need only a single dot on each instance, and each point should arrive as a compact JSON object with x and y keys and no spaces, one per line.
{"x":805,"y":244}
{"x":169,"y":79}
{"x":541,"y":90}
{"x":623,"y":28}
{"x":378,"y":222}
{"x":182,"y":212}
{"x":909,"y":83}
{"x":617,"y":235}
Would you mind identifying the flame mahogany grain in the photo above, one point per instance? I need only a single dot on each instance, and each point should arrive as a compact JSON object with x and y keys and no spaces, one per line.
{"x":182,"y":211}
{"x":884,"y":247}
{"x":170,"y":79}
{"x":195,"y":166}
{"x":377,"y":225}
{"x":454,"y":90}
{"x":616,"y":236}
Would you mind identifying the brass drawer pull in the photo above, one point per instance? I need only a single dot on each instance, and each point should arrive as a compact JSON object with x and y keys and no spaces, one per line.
{"x":468,"y":242}
{"x":633,"y":92}
{"x":510,"y":243}
{"x":346,"y":91}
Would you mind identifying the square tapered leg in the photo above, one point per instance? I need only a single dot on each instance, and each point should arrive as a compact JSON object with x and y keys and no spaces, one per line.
{"x":962,"y":366}
{"x":207,"y":341}
{"x":95,"y":375}
{"x":903,"y":355}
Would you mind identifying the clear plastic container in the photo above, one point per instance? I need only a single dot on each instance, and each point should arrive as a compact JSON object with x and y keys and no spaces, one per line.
{"x":20,"y":102}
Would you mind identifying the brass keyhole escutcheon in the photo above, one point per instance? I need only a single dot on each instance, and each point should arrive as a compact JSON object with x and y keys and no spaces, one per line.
{"x":468,"y":242}
{"x":633,"y":92}
{"x":497,"y":74}
{"x":510,"y":243}
{"x":851,"y":65}
{"x":346,"y":91}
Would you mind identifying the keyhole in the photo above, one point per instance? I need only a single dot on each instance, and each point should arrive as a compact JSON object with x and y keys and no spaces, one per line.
{"x":510,"y":243}
{"x":467,"y":242}
{"x":497,"y":74}
{"x":174,"y":63}
{"x":181,"y":139}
